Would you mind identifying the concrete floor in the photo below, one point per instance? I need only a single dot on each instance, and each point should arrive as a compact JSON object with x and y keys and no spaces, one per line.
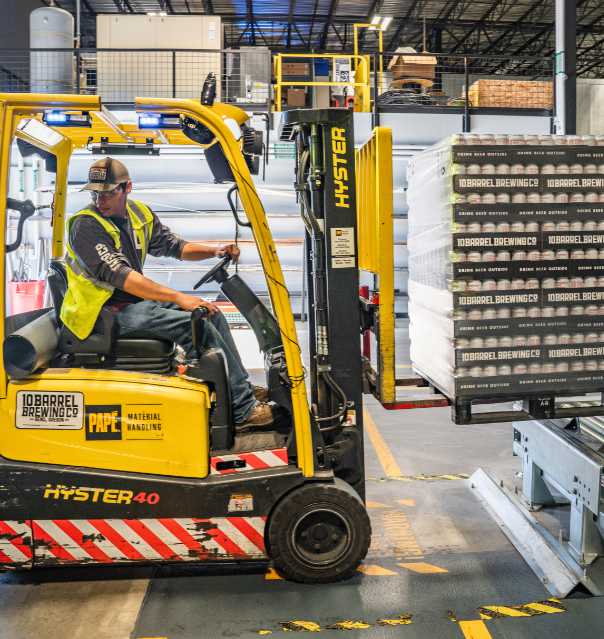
{"x":436,"y":558}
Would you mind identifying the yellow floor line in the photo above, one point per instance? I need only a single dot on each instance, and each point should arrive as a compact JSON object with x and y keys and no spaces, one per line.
{"x":406,"y":502}
{"x":271,"y":574}
{"x":423,"y":568}
{"x":474,"y":630}
{"x":372,"y":570}
{"x":389,"y":465}
{"x":375,"y":504}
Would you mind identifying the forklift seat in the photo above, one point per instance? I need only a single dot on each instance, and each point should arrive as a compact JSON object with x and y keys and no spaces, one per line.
{"x":103,"y":349}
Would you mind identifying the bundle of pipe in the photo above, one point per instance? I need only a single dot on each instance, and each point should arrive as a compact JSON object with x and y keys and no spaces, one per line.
{"x":31,"y":347}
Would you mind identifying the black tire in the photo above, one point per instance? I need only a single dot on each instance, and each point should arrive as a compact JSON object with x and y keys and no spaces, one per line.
{"x":319,"y":533}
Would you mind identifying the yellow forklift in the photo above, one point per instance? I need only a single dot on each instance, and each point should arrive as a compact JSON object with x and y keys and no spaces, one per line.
{"x":111,"y":452}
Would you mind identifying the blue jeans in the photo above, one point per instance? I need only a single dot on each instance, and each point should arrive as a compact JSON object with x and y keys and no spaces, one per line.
{"x":167,"y":321}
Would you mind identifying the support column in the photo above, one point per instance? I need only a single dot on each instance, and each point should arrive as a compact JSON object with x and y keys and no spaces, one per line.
{"x":566,"y":67}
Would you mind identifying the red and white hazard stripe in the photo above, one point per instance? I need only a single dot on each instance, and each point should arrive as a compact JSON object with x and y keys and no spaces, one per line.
{"x":15,"y":543}
{"x":257,"y":460}
{"x":169,"y":539}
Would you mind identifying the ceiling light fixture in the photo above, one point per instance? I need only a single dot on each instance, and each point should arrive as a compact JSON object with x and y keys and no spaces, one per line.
{"x":381,"y":22}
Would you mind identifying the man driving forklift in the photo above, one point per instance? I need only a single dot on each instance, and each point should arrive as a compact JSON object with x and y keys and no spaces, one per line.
{"x":106,"y":249}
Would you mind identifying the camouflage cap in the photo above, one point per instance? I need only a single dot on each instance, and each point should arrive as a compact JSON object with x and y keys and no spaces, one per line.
{"x":106,"y":174}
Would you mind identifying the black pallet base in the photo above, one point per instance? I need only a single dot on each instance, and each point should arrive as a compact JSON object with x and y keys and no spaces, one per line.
{"x":533,"y":407}
{"x":542,"y":406}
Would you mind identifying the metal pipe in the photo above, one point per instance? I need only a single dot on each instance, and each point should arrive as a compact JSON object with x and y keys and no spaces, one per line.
{"x":466,"y":108}
{"x":593,"y":427}
{"x":31,"y":347}
{"x":78,"y":29}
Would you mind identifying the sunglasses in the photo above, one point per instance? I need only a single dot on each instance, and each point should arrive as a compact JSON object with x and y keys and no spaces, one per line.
{"x":97,"y":195}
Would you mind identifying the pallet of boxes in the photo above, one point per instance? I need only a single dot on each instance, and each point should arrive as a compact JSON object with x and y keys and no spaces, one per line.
{"x":506,"y":268}
{"x":513,"y":94}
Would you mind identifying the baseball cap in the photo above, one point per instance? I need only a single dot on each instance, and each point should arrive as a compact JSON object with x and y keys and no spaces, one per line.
{"x":106,"y":174}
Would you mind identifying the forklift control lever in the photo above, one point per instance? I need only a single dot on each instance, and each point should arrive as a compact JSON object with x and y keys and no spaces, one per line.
{"x":217,"y":272}
{"x":26,"y":209}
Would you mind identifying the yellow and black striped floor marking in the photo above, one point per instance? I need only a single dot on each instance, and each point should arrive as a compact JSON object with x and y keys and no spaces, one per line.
{"x":300,"y":625}
{"x":547,"y":607}
{"x":427,"y":478}
{"x":478,"y":629}
{"x":470,"y":628}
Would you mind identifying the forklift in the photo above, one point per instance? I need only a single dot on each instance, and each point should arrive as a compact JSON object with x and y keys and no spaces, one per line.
{"x":113,"y":452}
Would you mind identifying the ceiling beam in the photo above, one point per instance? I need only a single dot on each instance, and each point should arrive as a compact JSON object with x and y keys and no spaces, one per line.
{"x":587,"y":69}
{"x":87,"y":7}
{"x":581,"y":55}
{"x":312,"y":24}
{"x":328,"y":21}
{"x":305,"y":44}
{"x":342,"y":40}
{"x":479,"y":24}
{"x":401,"y":26}
{"x":123,"y":6}
{"x":290,"y":20}
{"x":524,"y":18}
{"x":250,"y":18}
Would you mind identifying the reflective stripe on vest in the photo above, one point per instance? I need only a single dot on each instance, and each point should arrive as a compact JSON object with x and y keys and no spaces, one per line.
{"x":85,"y":294}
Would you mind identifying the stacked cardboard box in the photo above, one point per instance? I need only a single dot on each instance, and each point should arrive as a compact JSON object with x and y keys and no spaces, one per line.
{"x":524,"y":94}
{"x":296,"y":97}
{"x":506,"y":265}
{"x":413,"y":66}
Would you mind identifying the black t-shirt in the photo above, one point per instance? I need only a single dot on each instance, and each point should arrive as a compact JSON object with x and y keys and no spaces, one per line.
{"x":96,"y":251}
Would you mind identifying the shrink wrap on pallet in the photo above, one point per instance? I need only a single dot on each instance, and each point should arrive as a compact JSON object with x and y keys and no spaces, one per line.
{"x":506,"y":265}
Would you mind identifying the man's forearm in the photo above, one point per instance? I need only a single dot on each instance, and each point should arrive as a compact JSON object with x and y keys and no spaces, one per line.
{"x":194,"y":251}
{"x":141,"y":286}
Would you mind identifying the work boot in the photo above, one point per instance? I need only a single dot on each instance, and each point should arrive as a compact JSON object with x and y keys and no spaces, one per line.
{"x":261,"y":416}
{"x":261,"y":394}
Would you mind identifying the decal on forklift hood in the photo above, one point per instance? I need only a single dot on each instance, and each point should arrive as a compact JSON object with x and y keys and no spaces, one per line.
{"x":143,"y":421}
{"x":104,"y":421}
{"x":340,"y":171}
{"x":60,"y":492}
{"x":49,"y":410}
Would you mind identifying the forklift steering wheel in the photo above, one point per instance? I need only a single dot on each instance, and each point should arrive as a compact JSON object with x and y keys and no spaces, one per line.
{"x":214,"y":271}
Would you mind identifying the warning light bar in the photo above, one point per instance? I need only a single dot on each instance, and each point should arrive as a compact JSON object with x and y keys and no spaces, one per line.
{"x":62,"y":118}
{"x":158,"y":121}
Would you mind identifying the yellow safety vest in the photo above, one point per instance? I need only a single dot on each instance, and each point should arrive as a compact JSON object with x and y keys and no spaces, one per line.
{"x":86,"y":295}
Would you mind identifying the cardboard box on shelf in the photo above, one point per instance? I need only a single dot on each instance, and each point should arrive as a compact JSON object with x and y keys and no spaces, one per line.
{"x":296,"y":97}
{"x":413,"y":66}
{"x":295,"y":68}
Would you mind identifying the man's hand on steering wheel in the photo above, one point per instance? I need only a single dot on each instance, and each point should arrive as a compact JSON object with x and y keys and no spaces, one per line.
{"x":191,"y":302}
{"x":231,"y":250}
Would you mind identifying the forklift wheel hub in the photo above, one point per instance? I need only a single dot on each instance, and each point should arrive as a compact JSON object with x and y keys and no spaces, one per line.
{"x":321,"y":536}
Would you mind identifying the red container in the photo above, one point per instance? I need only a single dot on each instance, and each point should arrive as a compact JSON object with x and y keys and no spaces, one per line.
{"x":25,"y":296}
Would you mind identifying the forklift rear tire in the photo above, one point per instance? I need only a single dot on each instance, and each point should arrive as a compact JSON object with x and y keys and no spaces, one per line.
{"x":319,"y":533}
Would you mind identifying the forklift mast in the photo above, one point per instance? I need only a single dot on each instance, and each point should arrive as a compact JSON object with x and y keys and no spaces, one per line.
{"x":325,"y":185}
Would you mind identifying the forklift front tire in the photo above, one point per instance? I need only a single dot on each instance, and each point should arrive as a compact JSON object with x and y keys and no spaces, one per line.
{"x":319,"y":533}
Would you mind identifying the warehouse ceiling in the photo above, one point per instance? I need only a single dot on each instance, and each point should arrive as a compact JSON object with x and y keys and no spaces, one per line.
{"x":509,"y":28}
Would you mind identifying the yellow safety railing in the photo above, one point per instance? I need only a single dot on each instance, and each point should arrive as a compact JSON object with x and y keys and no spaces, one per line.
{"x":361,"y":65}
{"x":376,"y":245}
{"x":377,"y":28}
